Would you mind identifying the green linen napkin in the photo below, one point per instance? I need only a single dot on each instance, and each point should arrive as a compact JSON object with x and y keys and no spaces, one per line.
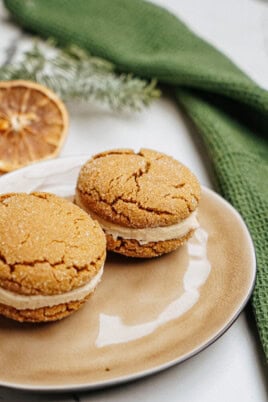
{"x":229,"y":110}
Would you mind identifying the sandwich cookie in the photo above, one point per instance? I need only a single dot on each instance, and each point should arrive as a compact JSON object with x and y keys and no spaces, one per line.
{"x":145,"y":202}
{"x":51,"y":257}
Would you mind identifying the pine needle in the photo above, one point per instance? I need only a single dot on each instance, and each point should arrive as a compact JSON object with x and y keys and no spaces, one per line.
{"x":74,"y":74}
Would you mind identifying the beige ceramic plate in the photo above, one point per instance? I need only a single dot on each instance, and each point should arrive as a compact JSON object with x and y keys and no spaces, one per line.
{"x":146,"y":315}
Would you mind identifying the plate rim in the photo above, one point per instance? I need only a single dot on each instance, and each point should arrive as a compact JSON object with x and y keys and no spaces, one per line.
{"x":78,"y":160}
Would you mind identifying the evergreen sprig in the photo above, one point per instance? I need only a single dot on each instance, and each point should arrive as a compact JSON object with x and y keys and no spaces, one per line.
{"x":74,"y":74}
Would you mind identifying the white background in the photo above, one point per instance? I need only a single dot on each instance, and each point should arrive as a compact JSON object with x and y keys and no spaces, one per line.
{"x":233,"y":368}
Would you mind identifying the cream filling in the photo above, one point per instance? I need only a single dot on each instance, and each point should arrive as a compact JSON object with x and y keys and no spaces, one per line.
{"x":147,"y":235}
{"x":22,"y":302}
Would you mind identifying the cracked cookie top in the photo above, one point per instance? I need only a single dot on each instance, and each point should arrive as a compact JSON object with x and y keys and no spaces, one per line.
{"x":139,"y":190}
{"x":47,"y":244}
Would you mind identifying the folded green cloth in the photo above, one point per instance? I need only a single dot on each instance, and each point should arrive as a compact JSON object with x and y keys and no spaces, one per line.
{"x":229,"y":110}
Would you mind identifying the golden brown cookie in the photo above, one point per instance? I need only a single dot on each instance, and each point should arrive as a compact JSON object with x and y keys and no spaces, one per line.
{"x":51,"y":256}
{"x":145,"y":202}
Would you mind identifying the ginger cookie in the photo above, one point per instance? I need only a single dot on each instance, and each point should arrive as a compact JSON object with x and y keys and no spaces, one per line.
{"x":51,"y":256}
{"x":145,"y":202}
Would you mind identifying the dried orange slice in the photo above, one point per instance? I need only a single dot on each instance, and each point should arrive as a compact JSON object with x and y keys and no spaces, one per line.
{"x":33,"y":124}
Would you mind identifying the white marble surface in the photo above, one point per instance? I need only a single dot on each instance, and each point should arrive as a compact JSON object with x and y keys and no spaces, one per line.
{"x":233,"y":368}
